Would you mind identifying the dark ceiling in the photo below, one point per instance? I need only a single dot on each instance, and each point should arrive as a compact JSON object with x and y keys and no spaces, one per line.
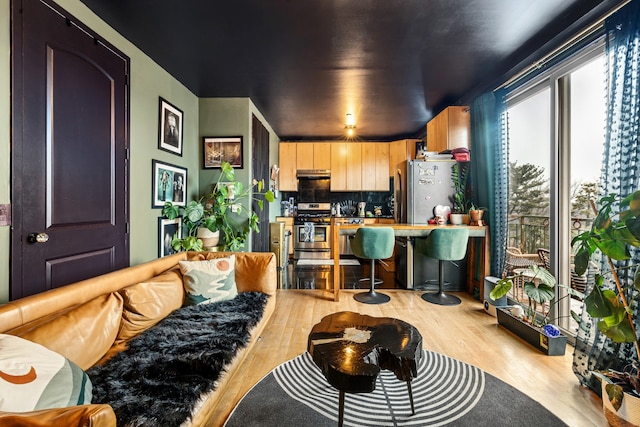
{"x":306,"y":63}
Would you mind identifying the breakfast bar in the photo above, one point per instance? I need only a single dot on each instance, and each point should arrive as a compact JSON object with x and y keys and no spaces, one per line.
{"x":478,"y":251}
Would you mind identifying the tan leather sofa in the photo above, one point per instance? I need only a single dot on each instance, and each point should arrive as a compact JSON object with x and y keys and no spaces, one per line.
{"x":82,"y":322}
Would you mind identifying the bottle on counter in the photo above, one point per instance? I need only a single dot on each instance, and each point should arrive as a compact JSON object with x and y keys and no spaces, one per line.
{"x":338,"y":210}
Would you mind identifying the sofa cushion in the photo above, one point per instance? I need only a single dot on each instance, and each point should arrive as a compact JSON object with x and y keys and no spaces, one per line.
{"x":209,"y":281}
{"x":148,"y":302}
{"x":33,"y":377}
{"x":82,"y":334}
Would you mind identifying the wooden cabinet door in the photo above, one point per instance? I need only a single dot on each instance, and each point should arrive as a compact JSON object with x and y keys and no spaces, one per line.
{"x":304,"y":155}
{"x":448,"y":130}
{"x":375,"y":166}
{"x":368,"y":150}
{"x":459,"y":127}
{"x":288,"y":181}
{"x":322,"y":155}
{"x":354,"y":166}
{"x":382,"y":167}
{"x":339,"y":166}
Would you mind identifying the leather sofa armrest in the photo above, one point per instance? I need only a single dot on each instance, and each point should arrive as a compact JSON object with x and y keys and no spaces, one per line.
{"x":94,"y":415}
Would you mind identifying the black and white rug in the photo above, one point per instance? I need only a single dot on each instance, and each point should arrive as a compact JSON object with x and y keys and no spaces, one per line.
{"x":446,"y":392}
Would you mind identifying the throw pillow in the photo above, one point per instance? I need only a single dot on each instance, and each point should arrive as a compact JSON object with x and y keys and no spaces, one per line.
{"x":209,"y":281}
{"x":32,"y":377}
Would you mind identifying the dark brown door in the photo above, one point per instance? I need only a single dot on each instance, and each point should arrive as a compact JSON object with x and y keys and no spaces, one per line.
{"x":260,"y":150}
{"x":69,"y":161}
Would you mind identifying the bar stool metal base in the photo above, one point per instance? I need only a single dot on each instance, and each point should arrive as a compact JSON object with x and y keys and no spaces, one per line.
{"x":372,"y":297}
{"x":441,"y":298}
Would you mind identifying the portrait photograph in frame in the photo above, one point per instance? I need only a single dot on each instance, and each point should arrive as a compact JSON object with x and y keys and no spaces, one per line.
{"x":170,"y":128}
{"x":167,"y":228}
{"x":222,"y":149}
{"x":169,"y":184}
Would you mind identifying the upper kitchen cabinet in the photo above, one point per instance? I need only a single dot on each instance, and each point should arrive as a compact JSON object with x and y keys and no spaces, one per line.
{"x":375,"y":166}
{"x":288,"y":166}
{"x":322,"y":155}
{"x":448,"y":130}
{"x":346,"y":166}
{"x":304,"y":156}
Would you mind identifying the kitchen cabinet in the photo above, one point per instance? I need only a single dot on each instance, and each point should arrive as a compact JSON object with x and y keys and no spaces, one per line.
{"x":339,"y":166}
{"x":322,"y":155}
{"x":288,"y":166}
{"x":354,"y":166}
{"x":304,"y":155}
{"x":375,"y":166}
{"x":450,"y":129}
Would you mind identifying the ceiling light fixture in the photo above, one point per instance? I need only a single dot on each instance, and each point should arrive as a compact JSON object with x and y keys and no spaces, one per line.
{"x":350,"y":124}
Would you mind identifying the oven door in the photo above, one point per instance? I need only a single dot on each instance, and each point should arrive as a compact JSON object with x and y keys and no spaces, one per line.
{"x":312,"y":242}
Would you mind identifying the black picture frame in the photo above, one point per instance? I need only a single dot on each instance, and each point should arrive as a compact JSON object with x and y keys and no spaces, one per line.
{"x":167,"y":228}
{"x":169,"y":184}
{"x":170,"y":127}
{"x":218,"y":149}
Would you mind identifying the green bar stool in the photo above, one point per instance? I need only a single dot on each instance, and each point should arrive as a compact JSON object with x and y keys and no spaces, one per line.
{"x":373,"y":243}
{"x":443,"y":244}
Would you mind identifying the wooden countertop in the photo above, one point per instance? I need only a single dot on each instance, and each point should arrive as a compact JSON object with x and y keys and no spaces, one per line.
{"x":417,"y":230}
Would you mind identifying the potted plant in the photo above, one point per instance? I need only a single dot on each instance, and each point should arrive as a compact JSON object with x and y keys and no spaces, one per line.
{"x":459,"y":214}
{"x":476,"y":213}
{"x":529,"y":323}
{"x":615,"y":230}
{"x":221,"y":211}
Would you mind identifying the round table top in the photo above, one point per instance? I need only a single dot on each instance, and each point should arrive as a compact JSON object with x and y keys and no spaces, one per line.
{"x":351,"y":349}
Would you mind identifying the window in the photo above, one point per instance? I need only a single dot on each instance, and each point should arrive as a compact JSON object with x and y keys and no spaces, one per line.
{"x":556,"y":139}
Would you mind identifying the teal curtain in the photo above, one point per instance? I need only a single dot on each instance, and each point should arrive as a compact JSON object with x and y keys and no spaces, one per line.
{"x":620,"y":172}
{"x":489,"y":174}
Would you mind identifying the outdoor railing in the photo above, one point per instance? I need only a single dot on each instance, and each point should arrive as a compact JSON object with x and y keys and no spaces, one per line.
{"x":530,"y":232}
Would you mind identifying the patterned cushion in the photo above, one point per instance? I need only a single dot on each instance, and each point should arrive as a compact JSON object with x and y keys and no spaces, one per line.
{"x":33,"y":377}
{"x":209,"y":281}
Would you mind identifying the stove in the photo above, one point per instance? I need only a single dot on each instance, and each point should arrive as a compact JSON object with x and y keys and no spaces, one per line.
{"x":313,"y":212}
{"x":312,"y":231}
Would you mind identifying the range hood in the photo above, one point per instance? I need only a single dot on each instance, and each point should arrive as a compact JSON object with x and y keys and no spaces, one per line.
{"x":313,"y":173}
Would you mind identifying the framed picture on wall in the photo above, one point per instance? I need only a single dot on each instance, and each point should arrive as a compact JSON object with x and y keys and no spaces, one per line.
{"x":170,"y":128}
{"x":169,"y":184}
{"x":167,"y":228}
{"x":222,"y":149}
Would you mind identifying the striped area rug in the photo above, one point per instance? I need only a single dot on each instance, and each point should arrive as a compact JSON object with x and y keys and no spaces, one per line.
{"x":446,"y":392}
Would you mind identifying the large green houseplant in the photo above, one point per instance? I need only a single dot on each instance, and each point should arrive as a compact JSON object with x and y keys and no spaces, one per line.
{"x":220,"y":210}
{"x":615,"y":230}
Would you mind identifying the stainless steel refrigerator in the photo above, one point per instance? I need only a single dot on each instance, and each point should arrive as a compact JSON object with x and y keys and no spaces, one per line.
{"x":429,"y":184}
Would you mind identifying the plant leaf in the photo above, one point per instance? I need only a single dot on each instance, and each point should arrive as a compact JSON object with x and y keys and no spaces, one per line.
{"x":615,"y":395}
{"x":597,"y":305}
{"x":502,"y":287}
{"x":540,"y":294}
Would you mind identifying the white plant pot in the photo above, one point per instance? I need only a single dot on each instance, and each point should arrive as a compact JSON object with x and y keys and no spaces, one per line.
{"x":457,"y":219}
{"x":627,"y":415}
{"x":209,"y":238}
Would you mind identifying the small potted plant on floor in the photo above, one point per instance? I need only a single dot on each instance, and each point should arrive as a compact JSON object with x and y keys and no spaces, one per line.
{"x":615,"y":231}
{"x":527,"y":322}
{"x":459,"y":214}
{"x":222,"y":211}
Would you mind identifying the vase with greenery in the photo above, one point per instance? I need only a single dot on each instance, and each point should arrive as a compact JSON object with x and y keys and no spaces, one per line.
{"x":222,"y":210}
{"x":614,"y":234}
{"x":460,"y":201}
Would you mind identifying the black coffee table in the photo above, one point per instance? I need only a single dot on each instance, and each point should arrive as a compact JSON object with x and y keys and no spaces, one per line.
{"x":351,"y":348}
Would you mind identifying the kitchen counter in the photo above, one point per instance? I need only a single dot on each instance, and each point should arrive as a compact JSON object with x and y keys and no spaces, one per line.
{"x":480,"y":265}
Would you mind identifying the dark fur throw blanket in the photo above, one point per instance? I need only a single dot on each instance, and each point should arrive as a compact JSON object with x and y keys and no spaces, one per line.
{"x":161,"y":376}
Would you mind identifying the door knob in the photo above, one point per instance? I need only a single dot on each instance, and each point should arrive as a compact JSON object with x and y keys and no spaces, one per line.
{"x":38,"y":238}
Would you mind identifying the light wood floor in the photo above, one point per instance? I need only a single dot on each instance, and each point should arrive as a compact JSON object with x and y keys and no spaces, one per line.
{"x":464,"y":332}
